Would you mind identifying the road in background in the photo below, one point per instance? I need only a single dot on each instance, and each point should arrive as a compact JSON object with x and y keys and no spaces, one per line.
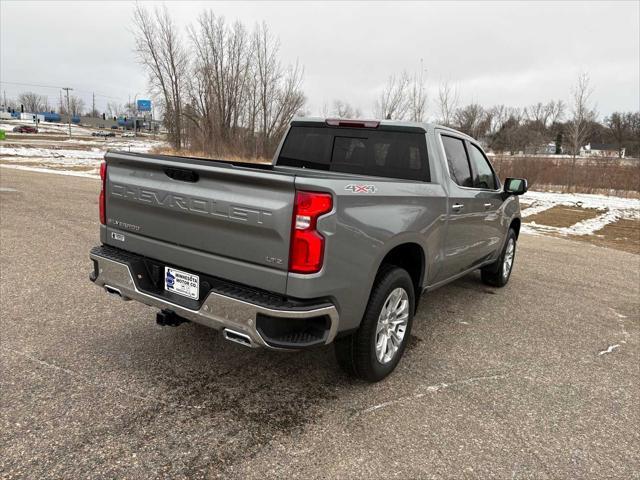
{"x":540,"y":379}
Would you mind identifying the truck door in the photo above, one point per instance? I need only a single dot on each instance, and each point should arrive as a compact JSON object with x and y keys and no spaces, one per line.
{"x":465,"y":238}
{"x":489,"y":195}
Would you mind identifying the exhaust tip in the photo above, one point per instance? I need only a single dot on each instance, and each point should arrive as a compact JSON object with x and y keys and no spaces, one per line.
{"x":237,"y":337}
{"x":115,"y":292}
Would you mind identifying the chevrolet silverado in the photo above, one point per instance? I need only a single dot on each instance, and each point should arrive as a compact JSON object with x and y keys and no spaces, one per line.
{"x":333,"y":242}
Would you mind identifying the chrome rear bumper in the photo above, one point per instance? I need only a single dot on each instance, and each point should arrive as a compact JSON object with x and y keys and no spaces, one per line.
{"x":216,"y":311}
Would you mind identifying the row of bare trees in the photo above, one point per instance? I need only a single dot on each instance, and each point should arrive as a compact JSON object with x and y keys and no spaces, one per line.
{"x":230,"y":94}
{"x":223,"y":90}
{"x":32,"y":102}
{"x":569,"y":126}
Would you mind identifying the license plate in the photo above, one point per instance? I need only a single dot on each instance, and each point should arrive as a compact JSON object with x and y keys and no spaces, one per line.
{"x":182,"y":283}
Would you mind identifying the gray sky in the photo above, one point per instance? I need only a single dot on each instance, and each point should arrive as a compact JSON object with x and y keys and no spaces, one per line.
{"x":496,"y":52}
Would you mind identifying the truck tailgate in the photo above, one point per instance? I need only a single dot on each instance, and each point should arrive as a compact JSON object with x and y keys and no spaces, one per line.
{"x":211,"y":217}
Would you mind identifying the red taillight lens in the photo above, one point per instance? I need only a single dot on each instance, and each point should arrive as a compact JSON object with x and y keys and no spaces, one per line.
{"x":307,"y":245}
{"x":102,"y":198}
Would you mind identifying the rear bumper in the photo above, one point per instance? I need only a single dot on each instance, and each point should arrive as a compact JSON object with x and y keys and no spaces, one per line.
{"x":235,"y":312}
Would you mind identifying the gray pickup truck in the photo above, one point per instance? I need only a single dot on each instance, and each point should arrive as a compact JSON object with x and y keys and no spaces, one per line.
{"x":333,"y":242}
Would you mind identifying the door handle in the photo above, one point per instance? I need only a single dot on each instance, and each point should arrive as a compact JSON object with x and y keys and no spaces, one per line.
{"x":457,"y":207}
{"x":487,"y":206}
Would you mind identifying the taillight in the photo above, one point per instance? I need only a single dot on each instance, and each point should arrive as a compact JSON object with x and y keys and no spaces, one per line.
{"x":102,"y":198}
{"x":307,"y":244}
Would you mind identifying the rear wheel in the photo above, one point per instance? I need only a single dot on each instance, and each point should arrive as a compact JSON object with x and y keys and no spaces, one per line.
{"x":373,"y":351}
{"x":497,"y":274}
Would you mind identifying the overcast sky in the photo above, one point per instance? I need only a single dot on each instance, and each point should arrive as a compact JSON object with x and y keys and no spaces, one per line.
{"x":496,"y":52}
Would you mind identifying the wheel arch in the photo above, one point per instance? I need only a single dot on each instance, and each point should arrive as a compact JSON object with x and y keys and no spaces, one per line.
{"x":411,"y":257}
{"x":515,"y":225}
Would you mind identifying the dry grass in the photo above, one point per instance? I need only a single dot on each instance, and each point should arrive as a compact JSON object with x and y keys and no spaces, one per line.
{"x":561,"y":216}
{"x":205,"y":156}
{"x":50,"y":166}
{"x":602,"y":175}
{"x":621,"y":235}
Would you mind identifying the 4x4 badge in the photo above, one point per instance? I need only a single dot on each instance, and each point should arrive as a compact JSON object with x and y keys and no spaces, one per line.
{"x":358,"y":188}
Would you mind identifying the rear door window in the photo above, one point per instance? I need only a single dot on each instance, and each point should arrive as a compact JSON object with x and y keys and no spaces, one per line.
{"x":359,"y":151}
{"x":457,"y":159}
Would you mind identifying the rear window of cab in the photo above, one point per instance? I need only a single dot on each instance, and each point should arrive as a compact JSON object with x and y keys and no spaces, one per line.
{"x":393,"y":154}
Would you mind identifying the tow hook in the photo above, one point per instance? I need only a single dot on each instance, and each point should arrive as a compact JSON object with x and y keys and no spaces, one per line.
{"x":168,"y":318}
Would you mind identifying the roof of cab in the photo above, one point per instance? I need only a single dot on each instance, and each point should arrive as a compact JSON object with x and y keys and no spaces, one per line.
{"x":426,"y":126}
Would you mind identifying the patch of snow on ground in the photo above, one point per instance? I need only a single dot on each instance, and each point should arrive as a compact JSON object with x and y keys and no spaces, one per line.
{"x":88,"y":155}
{"x":31,"y":153}
{"x":46,"y":127}
{"x":613,"y":209}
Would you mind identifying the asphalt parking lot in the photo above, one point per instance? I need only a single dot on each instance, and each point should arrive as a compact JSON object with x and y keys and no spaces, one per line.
{"x":537,"y":380}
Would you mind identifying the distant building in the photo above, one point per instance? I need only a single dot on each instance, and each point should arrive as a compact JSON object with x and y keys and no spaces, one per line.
{"x":601,"y":150}
{"x":32,"y":116}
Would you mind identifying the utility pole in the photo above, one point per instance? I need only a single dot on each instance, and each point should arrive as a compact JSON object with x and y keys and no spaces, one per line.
{"x":68,"y":108}
{"x":93,"y":105}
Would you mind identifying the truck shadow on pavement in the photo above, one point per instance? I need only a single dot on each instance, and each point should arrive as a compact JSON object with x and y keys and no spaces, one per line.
{"x":264,"y":393}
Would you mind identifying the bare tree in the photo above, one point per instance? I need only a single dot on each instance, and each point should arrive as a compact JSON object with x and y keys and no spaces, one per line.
{"x":33,"y":102}
{"x":624,"y":128}
{"x":114,"y":109}
{"x":555,"y":111}
{"x":160,"y":50}
{"x":582,"y":114}
{"x":218,"y":86}
{"x":417,"y":96}
{"x":343,"y":109}
{"x":279,"y":90}
{"x":582,"y":118}
{"x":499,"y":114}
{"x":76,"y":106}
{"x":393,"y":101}
{"x":448,"y":102}
{"x":472,"y":120}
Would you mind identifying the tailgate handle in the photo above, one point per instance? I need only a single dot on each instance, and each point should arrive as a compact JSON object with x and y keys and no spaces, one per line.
{"x":181,"y":175}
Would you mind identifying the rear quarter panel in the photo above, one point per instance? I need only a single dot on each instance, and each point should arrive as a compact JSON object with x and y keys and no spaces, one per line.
{"x":362,"y":229}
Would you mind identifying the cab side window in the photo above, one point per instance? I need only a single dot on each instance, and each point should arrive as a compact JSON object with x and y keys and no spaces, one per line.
{"x":484,"y":177}
{"x":457,"y":159}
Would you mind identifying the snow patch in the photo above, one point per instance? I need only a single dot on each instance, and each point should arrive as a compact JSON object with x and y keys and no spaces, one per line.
{"x":612,"y":208}
{"x":610,"y":349}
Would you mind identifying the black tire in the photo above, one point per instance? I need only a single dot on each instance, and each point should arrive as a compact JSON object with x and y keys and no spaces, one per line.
{"x":498,"y":273}
{"x":356,"y":353}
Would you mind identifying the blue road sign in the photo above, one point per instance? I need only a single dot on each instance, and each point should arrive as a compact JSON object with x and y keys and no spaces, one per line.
{"x":144,"y":105}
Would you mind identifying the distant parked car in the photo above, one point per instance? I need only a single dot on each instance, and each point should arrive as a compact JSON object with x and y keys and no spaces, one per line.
{"x":25,"y":129}
{"x":102,"y":133}
{"x":114,"y":127}
{"x":128,"y":134}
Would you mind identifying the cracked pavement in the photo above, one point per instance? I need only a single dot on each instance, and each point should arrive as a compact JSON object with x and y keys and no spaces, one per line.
{"x":508,"y":383}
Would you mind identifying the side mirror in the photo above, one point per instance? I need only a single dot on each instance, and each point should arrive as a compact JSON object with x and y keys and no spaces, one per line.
{"x":515,"y":186}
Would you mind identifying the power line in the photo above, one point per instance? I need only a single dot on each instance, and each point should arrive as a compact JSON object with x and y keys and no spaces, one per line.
{"x":24,"y":84}
{"x":30,"y":85}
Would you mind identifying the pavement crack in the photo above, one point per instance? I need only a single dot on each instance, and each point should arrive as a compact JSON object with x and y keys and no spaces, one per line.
{"x":79,"y":376}
{"x":422,"y":391}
